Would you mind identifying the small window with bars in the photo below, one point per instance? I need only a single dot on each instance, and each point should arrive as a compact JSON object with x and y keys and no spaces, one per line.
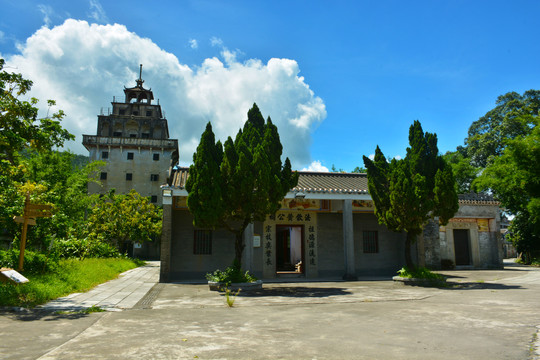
{"x":103,"y":176}
{"x":130,"y":156}
{"x":156,"y":157}
{"x":153,"y":199}
{"x":370,"y":242}
{"x":104,"y":154}
{"x":129,"y":176}
{"x":154,"y":177}
{"x":202,"y":242}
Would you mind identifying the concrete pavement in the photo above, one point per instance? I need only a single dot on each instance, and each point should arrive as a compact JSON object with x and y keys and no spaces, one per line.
{"x":484,"y":315}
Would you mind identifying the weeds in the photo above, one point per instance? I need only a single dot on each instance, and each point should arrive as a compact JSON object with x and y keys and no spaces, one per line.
{"x":229,"y":299}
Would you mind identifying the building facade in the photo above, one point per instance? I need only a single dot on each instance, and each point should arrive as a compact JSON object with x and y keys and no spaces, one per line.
{"x":133,"y":140}
{"x":325,"y":229}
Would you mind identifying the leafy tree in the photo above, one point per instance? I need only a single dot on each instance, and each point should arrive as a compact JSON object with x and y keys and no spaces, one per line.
{"x":359,"y":170}
{"x":512,"y":116}
{"x":464,"y":172}
{"x":514,"y":177}
{"x":18,"y":120}
{"x":243,"y":181}
{"x":117,"y":219}
{"x":21,"y":133}
{"x":409,"y":192}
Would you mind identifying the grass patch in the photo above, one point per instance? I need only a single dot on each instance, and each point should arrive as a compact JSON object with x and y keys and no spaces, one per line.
{"x":72,"y":275}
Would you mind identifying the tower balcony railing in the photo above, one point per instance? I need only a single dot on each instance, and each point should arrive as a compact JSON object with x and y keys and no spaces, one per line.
{"x":94,"y":140}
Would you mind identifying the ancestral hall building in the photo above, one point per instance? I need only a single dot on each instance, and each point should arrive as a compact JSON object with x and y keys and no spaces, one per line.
{"x":325,"y":229}
{"x":133,"y":140}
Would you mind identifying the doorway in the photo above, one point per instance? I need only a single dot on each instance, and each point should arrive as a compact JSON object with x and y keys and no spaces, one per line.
{"x":461,"y":247}
{"x":289,"y":248}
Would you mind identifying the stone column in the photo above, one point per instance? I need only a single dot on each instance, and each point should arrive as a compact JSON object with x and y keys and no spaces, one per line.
{"x":348,"y":241}
{"x":166,"y":232}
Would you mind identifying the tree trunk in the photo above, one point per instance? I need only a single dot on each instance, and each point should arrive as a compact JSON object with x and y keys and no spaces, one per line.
{"x":411,"y":237}
{"x":239,"y":248}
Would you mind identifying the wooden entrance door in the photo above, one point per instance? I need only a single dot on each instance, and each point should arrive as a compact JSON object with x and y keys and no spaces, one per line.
{"x":461,"y":247}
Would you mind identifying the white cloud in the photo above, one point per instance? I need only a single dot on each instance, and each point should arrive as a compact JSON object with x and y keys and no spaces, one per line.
{"x":371,"y":157}
{"x":215,"y":41}
{"x":316,"y":166}
{"x":83,"y":66}
{"x":47,"y":12}
{"x":397,"y":157}
{"x":97,"y":13}
{"x":193,"y":44}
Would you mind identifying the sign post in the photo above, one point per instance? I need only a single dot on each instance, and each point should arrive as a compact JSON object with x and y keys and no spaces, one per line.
{"x":31,"y":211}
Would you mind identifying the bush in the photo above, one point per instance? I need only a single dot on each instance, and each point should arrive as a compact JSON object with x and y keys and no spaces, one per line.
{"x":84,"y":248}
{"x":232,"y":274}
{"x":34,"y":262}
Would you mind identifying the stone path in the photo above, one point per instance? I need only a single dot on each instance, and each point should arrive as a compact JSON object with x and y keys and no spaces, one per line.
{"x":121,"y":293}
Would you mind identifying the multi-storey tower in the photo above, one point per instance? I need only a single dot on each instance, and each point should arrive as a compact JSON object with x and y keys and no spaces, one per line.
{"x":133,"y":140}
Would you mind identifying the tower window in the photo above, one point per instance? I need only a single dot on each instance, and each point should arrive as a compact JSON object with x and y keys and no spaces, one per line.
{"x":122,"y":112}
{"x":154,"y":177}
{"x":132,"y":135}
{"x":129,"y":176}
{"x":130,"y":156}
{"x":104,"y":154}
{"x":156,"y":157}
{"x":145,"y":135}
{"x":103,"y":176}
{"x":135,"y":112}
{"x":117,"y":134}
{"x":148,"y":112}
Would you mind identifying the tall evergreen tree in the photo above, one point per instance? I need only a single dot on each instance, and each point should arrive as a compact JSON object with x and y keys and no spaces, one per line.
{"x":409,"y":192}
{"x":242,"y":182}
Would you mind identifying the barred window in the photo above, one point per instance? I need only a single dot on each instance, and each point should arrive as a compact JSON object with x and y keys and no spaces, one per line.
{"x":129,"y":176}
{"x":371,"y":242}
{"x":156,"y":157}
{"x":130,"y":156}
{"x":104,"y":154}
{"x":153,"y":199}
{"x":154,"y":177}
{"x":202,"y":243}
{"x":103,"y":176}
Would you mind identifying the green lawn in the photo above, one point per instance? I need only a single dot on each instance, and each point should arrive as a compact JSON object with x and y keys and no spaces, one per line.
{"x":73,"y":275}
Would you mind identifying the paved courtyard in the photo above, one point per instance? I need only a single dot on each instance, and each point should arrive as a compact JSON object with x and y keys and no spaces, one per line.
{"x":484,"y":315}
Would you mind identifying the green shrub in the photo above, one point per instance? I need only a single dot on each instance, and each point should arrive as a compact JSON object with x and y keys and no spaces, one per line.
{"x":84,"y":248}
{"x":419,"y":273}
{"x":34,"y":262}
{"x":232,"y":274}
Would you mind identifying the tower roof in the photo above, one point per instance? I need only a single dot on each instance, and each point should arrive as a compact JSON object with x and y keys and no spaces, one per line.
{"x":138,"y":92}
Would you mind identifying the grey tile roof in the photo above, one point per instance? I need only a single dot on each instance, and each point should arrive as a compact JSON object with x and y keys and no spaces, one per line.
{"x":331,"y":183}
{"x":477,"y":199}
{"x":337,"y":183}
{"x":308,"y":182}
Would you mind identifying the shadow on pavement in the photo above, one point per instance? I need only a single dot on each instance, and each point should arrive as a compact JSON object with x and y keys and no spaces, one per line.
{"x":478,"y":286}
{"x":296,"y":291}
{"x":45,"y":315}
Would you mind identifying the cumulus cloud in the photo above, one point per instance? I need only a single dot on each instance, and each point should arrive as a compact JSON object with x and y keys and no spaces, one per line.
{"x":193,"y":44}
{"x":316,"y":166}
{"x":83,"y":66}
{"x":97,"y":13}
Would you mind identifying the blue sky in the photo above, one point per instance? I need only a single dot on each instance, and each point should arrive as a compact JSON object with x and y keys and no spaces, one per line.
{"x":345,"y":75}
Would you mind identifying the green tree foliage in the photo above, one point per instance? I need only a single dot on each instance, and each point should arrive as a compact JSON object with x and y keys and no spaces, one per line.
{"x":409,"y":192}
{"x":243,"y":181}
{"x":18,"y":120}
{"x":464,"y":172}
{"x":117,"y":219}
{"x":512,"y":116}
{"x":514,"y":177}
